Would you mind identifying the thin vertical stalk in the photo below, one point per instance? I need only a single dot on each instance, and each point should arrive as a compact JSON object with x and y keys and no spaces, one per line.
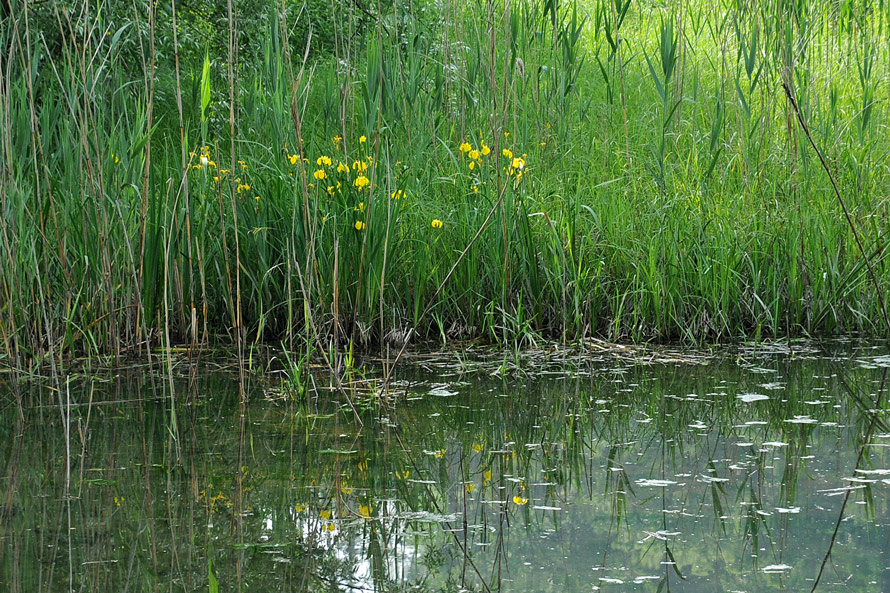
{"x":239,"y":329}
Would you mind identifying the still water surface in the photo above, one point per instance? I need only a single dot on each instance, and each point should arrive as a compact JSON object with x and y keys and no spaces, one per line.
{"x":544,"y":472}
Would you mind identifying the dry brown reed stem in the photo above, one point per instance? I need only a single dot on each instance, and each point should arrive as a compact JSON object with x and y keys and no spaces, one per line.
{"x":239,"y":326}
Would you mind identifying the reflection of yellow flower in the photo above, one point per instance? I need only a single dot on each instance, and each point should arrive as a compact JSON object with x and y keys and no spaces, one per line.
{"x":478,"y":447}
{"x":365,"y":510}
{"x":330,"y":527}
{"x":346,"y":489}
{"x":470,"y":487}
{"x":325,"y":514}
{"x":118,"y":501}
{"x":363,"y":465}
{"x":520,"y":500}
{"x":404,"y":475}
{"x":439,"y":454}
{"x":359,"y":225}
{"x":487,"y":476}
{"x":437,"y":224}
{"x":299,"y":508}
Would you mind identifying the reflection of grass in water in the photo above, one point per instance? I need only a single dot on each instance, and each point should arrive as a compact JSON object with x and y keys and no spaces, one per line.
{"x":549,"y":441}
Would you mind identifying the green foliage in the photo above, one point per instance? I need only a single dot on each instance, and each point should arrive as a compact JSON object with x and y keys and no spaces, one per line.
{"x":661,"y":190}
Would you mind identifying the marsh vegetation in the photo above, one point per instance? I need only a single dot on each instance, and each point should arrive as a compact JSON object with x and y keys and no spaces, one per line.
{"x":310,"y":172}
{"x":230,"y":230}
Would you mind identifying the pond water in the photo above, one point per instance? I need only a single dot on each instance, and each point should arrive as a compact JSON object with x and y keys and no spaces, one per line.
{"x":547,"y":471}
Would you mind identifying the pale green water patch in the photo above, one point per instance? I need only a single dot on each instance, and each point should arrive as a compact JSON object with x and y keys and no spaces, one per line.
{"x":537,"y":473}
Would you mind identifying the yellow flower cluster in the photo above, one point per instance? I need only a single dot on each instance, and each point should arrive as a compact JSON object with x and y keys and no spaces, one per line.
{"x":213,"y":499}
{"x":359,"y":168}
{"x":328,"y":524}
{"x":203,"y":159}
{"x":515,"y":165}
{"x":474,"y":154}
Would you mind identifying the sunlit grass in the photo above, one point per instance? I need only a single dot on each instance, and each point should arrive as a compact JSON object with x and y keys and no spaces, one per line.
{"x":647,"y":181}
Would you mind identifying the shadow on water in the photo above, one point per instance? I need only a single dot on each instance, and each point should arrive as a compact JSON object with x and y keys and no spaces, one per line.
{"x":574,"y":474}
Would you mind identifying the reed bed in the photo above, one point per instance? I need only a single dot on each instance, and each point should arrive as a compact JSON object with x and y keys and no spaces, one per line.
{"x":310,"y":173}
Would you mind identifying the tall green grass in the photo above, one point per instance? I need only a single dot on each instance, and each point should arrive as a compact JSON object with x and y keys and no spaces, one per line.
{"x":665,"y":190}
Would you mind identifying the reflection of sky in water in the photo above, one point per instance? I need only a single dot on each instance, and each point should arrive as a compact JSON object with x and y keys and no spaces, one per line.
{"x":611,"y":477}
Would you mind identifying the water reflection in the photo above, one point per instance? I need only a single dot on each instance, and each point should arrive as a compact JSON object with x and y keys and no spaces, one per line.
{"x":596,"y":475}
